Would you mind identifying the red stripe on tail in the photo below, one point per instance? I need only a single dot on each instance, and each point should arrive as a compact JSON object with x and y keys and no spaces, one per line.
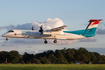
{"x":94,"y":22}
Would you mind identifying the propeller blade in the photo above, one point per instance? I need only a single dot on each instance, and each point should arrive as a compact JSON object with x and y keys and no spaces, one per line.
{"x":41,"y":29}
{"x":32,"y":28}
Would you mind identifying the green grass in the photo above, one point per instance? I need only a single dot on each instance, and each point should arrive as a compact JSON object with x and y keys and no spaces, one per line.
{"x":52,"y":67}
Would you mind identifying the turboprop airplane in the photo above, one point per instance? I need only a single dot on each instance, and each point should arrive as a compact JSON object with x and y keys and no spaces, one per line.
{"x":55,"y":33}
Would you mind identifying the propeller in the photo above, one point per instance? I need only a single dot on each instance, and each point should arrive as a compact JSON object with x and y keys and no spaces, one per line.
{"x":32,"y":28}
{"x":41,"y":29}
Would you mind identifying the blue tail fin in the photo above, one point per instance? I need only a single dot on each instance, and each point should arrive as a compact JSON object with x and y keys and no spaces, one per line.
{"x":91,"y":28}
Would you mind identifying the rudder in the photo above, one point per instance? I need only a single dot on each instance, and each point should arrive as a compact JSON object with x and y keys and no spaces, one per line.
{"x":91,"y":28}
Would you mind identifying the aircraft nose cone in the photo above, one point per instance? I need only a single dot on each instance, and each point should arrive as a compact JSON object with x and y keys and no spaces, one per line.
{"x":4,"y":35}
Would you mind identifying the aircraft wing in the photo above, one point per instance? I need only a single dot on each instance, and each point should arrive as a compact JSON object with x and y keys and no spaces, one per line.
{"x":57,"y":29}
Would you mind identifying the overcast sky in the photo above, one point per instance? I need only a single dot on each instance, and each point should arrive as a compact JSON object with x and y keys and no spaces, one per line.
{"x":22,"y":14}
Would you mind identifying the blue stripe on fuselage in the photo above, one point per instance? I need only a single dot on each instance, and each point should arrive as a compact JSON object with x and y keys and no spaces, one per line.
{"x":86,"y":32}
{"x":25,"y":31}
{"x":78,"y":32}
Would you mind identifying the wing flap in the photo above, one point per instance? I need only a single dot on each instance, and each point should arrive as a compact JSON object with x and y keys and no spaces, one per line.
{"x":58,"y":28}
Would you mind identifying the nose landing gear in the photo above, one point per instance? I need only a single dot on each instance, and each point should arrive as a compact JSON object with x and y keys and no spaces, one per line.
{"x":6,"y":39}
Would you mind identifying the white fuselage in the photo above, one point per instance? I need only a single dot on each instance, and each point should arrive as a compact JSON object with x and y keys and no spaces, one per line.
{"x":38,"y":35}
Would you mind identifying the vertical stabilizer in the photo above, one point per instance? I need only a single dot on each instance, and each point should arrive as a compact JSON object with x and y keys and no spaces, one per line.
{"x":91,"y":28}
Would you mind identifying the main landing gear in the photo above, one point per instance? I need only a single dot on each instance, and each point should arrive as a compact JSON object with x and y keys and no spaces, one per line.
{"x":45,"y":41}
{"x":55,"y":41}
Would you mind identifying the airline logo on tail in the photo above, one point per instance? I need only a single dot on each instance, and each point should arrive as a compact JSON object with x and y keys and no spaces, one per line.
{"x":93,"y":23}
{"x":91,"y":28}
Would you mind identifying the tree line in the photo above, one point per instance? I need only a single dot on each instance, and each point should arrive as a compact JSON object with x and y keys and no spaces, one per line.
{"x":63,"y":56}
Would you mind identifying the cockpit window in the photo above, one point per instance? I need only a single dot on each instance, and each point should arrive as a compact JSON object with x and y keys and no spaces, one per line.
{"x":10,"y":31}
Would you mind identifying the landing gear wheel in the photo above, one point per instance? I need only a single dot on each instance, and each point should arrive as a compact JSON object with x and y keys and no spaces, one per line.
{"x":45,"y":42}
{"x":6,"y":39}
{"x":55,"y":41}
